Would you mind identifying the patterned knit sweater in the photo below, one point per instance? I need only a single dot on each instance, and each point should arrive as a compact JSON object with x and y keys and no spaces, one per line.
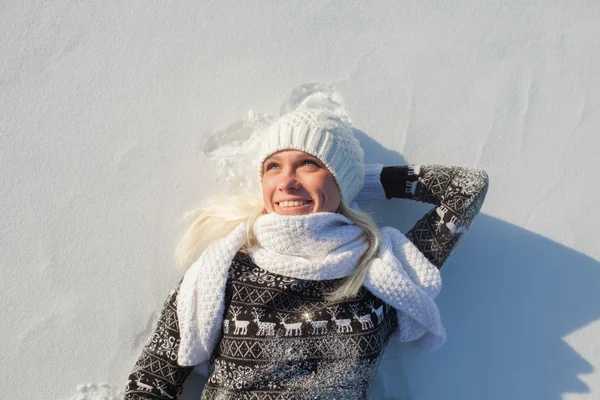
{"x":282,"y":340}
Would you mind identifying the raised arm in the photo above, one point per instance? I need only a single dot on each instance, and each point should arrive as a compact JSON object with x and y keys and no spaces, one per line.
{"x":156,"y":375}
{"x":458,"y":194}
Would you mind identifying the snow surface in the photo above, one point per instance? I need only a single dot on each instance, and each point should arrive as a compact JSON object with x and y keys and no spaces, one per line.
{"x":116,"y":120}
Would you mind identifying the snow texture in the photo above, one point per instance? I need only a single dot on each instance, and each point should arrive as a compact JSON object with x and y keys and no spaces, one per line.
{"x":116,"y":120}
{"x":93,"y":391}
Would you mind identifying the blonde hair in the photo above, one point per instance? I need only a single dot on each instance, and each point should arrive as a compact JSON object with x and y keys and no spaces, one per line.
{"x":220,"y":215}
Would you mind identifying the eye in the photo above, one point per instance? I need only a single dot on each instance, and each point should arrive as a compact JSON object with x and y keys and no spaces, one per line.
{"x":310,"y":162}
{"x":270,"y":165}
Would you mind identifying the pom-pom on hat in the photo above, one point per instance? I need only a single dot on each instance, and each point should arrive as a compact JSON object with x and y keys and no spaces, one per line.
{"x":325,"y":136}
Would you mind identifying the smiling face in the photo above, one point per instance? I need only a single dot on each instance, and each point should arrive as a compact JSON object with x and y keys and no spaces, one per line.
{"x":296,"y":183}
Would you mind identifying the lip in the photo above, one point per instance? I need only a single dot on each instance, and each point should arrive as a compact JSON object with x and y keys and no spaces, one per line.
{"x":279,"y":201}
{"x":294,"y":209}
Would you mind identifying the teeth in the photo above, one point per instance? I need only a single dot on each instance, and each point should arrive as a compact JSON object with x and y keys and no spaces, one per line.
{"x":292,"y":203}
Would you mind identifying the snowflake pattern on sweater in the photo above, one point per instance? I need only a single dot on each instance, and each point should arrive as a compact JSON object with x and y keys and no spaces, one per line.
{"x":156,"y":374}
{"x":281,"y":340}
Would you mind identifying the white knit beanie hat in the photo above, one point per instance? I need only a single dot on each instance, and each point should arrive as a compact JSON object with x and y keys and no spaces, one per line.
{"x":325,"y":136}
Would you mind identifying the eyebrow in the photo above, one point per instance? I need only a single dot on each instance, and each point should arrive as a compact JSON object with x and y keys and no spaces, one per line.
{"x":277,"y":157}
{"x":272,"y":157}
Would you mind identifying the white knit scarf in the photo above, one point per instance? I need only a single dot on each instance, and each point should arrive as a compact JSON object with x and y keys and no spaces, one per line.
{"x":316,"y":246}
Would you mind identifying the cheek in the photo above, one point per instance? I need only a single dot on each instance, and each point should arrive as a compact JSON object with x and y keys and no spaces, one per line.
{"x":267,"y":191}
{"x":264,"y":183}
{"x":332,"y":192}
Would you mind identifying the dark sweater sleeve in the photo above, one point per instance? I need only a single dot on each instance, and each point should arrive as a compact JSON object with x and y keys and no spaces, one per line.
{"x":458,"y":194}
{"x":156,"y":374}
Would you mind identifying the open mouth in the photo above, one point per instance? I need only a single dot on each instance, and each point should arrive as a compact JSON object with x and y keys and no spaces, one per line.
{"x":294,"y":204}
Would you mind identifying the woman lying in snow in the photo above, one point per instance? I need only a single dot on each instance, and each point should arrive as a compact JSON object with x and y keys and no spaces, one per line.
{"x":295,"y":295}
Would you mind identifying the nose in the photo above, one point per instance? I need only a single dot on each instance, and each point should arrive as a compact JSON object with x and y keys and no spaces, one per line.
{"x":288,"y":182}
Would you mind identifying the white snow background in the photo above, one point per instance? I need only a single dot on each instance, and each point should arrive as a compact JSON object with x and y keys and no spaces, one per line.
{"x":116,"y":118}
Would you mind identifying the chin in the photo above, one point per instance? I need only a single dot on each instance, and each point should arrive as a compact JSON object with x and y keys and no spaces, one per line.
{"x":294,"y":212}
